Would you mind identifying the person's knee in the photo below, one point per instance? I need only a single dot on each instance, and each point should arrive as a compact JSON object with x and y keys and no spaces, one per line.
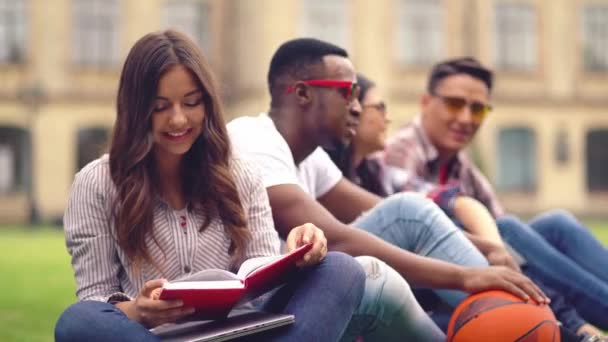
{"x":422,"y":212}
{"x":557,"y":219}
{"x":339,"y":260}
{"x":373,"y":268}
{"x":562,"y":214}
{"x":344,"y":270}
{"x":74,"y":320}
{"x":405,"y":202}
{"x":386,"y":292}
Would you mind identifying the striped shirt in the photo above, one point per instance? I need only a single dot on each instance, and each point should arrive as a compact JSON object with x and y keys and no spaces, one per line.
{"x":101,"y":268}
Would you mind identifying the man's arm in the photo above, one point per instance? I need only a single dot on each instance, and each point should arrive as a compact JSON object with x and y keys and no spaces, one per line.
{"x":293,"y":207}
{"x":359,"y":200}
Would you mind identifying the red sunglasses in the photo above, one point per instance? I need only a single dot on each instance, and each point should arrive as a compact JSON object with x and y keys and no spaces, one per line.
{"x":351,"y":88}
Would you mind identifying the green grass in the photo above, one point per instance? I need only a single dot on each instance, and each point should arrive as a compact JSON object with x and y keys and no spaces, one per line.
{"x":600,"y":229}
{"x":37,"y":282}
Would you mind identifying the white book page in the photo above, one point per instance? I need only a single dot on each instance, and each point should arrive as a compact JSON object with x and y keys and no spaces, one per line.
{"x":199,"y":285}
{"x":208,"y":275}
{"x":249,"y":266}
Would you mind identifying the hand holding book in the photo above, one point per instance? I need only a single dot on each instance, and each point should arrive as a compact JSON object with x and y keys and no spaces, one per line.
{"x":308,"y":234}
{"x":149,"y":311}
{"x":214,"y":292}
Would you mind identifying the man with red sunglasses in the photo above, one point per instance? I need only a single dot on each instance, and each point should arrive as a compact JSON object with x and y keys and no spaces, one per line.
{"x":314,"y":104}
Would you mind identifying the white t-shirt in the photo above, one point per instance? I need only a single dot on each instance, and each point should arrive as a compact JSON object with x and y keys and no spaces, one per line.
{"x":255,"y":138}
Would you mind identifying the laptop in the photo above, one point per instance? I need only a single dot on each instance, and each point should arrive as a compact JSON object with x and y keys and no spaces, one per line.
{"x":235,"y":326}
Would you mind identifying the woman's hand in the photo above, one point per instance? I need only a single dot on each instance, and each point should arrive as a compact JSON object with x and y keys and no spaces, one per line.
{"x":150,"y":311}
{"x":304,"y":234}
{"x":499,"y":256}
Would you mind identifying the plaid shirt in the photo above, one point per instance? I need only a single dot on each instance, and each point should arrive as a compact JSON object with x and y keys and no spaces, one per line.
{"x":412,"y":163}
{"x":410,"y":153}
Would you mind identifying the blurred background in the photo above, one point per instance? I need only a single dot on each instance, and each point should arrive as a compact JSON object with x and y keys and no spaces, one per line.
{"x":545,"y":145}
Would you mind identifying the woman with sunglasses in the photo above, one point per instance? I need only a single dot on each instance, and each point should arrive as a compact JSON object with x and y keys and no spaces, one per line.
{"x":170,"y":199}
{"x":354,"y":159}
{"x":358,"y":163}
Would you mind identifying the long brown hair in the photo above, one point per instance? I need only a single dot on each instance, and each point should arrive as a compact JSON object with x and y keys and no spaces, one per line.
{"x":210,"y":188}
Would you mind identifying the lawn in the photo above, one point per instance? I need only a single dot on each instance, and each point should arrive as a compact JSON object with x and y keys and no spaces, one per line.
{"x":600,"y":229}
{"x":37,"y":281}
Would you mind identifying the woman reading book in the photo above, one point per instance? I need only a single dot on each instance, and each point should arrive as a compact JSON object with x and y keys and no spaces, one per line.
{"x":170,"y":199}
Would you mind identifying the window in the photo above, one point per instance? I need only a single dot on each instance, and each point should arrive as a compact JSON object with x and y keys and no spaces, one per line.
{"x":595,"y":38}
{"x":597,"y":160}
{"x":517,"y":159}
{"x":95,"y":32}
{"x":326,"y":20}
{"x":515,"y":37}
{"x":92,"y":143}
{"x":419,"y":32}
{"x":191,"y":18}
{"x":7,"y":168}
{"x":13,"y":35}
{"x":14,"y":160}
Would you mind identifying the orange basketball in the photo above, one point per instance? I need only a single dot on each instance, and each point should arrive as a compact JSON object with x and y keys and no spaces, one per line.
{"x":499,"y":316}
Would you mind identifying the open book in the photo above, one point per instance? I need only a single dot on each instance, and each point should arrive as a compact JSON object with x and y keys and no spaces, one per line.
{"x":215,"y":292}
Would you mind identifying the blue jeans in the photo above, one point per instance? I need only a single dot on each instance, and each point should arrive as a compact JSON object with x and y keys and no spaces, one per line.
{"x":587,"y":292}
{"x":416,"y":224}
{"x":323,"y":299}
{"x":389,"y":311}
{"x":566,"y":234}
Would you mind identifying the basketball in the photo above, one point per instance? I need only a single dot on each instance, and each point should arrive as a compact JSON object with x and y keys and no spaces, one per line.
{"x":499,"y":316}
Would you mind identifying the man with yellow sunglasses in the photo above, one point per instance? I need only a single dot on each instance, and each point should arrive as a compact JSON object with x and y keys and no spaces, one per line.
{"x":553,"y":248}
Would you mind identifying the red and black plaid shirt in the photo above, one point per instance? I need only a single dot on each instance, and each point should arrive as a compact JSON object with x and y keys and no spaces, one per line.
{"x":417,"y":160}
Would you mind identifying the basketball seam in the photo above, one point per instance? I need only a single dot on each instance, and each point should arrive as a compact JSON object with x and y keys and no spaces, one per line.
{"x":479,"y":313}
{"x":534,"y":328}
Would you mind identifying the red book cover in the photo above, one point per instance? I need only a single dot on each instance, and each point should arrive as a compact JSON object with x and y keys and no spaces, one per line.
{"x":215,"y":292}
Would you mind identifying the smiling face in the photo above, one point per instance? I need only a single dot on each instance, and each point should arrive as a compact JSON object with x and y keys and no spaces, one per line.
{"x":449,"y":129}
{"x":371,"y":133}
{"x":177,"y":119}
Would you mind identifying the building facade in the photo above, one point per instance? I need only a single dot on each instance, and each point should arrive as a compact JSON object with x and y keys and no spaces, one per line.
{"x":545,"y":145}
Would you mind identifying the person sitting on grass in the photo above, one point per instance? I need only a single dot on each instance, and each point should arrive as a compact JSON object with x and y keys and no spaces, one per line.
{"x":314,"y":103}
{"x":557,"y":249}
{"x":171,"y":199}
{"x":360,"y":163}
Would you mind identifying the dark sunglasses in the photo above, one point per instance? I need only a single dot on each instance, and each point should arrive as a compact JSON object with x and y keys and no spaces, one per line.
{"x":380,"y":106}
{"x":478,"y":109}
{"x":350,"y":90}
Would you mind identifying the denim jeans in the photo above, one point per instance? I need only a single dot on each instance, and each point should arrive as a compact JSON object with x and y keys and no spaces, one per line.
{"x":566,"y":234}
{"x":323,"y":299}
{"x":389,"y":311}
{"x":587,"y":292}
{"x":416,"y":224}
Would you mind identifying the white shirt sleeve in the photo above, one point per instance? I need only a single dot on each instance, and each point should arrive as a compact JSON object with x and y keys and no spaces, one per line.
{"x":256,"y":140}
{"x":319,"y":173}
